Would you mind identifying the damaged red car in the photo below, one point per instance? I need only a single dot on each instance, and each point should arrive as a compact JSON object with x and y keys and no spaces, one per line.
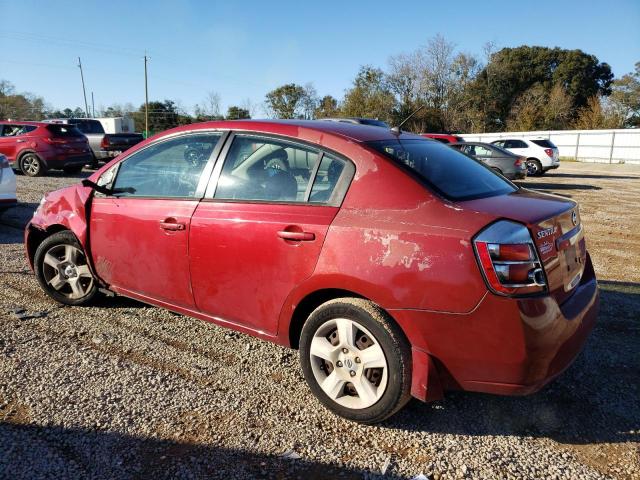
{"x":397,"y":266}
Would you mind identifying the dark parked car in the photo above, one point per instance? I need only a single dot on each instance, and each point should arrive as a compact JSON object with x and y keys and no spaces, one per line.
{"x":502,"y":161}
{"x":397,"y":265}
{"x":35,"y":147}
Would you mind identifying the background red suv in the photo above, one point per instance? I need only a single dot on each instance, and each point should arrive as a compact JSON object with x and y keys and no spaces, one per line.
{"x":443,"y":137}
{"x":396,"y":264}
{"x":35,"y":147}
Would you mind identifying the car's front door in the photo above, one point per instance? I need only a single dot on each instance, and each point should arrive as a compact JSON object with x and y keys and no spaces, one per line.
{"x":259,"y":231}
{"x":139,"y":235}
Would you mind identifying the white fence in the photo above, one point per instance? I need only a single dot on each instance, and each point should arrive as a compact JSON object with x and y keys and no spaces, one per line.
{"x":601,"y":146}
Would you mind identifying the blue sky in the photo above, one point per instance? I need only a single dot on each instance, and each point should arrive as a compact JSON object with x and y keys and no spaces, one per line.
{"x":244,"y":49}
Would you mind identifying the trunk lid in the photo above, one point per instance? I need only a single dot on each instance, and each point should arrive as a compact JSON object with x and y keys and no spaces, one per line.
{"x":556,"y":229}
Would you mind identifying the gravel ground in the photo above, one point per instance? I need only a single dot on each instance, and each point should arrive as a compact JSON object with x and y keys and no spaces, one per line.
{"x":123,"y":390}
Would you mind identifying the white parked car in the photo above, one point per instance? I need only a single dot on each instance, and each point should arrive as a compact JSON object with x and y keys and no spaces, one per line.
{"x":7,"y":184}
{"x":541,"y":154}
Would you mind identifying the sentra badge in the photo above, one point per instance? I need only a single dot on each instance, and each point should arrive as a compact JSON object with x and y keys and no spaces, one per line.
{"x":547,"y":232}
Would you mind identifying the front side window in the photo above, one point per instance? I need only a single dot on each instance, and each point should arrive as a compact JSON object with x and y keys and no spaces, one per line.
{"x":169,"y":169}
{"x":452,"y":174}
{"x":266,"y":169}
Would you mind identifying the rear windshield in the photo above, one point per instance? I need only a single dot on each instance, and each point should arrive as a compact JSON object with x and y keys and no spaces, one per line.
{"x":544,"y":143}
{"x":451,"y":173}
{"x":88,"y":126}
{"x":61,"y":130}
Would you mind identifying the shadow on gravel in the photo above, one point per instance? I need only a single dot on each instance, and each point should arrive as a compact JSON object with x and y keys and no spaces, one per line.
{"x":28,"y":451}
{"x":61,"y":174}
{"x":558,"y":186}
{"x":594,"y":401}
{"x":586,"y":175}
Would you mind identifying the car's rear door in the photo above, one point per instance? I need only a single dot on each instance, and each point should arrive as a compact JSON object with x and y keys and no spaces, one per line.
{"x":260,"y":228}
{"x":139,"y":236}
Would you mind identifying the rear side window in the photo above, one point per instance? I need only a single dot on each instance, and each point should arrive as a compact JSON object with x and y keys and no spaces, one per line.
{"x":450,"y":173}
{"x":515,"y":144}
{"x":544,"y":143}
{"x":61,"y":130}
{"x":266,"y":169}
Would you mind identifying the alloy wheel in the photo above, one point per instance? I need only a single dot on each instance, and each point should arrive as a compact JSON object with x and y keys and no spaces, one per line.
{"x":348,"y":363}
{"x":30,"y":165}
{"x":66,"y":271}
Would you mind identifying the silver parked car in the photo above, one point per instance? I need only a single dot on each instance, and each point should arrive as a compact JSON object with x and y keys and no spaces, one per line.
{"x":502,"y":161}
{"x":7,"y":184}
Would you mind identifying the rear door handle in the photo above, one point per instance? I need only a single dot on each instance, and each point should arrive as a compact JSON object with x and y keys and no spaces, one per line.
{"x":297,"y":236}
{"x":172,"y":225}
{"x":20,"y":141}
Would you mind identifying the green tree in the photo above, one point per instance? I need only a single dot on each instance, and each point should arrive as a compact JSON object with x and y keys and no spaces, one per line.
{"x":327,"y":107}
{"x":370,"y":96}
{"x":162,"y":116}
{"x":625,"y":97}
{"x":286,"y":101}
{"x":510,"y":72}
{"x":237,"y":113}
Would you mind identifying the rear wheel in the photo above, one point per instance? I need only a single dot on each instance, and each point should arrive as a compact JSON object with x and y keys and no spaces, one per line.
{"x":62,"y":270}
{"x":31,"y":165}
{"x":356,"y":360}
{"x":73,"y":169}
{"x":534,"y":167}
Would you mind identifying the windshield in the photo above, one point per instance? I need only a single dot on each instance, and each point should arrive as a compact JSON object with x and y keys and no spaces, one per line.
{"x":451,"y":173}
{"x":504,"y":151}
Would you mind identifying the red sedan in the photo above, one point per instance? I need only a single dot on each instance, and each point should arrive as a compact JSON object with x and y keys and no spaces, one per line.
{"x":397,"y":265}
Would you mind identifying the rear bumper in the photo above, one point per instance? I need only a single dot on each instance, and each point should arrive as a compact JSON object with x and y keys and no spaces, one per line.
{"x":61,"y":161}
{"x":504,"y":346}
{"x":553,"y":166}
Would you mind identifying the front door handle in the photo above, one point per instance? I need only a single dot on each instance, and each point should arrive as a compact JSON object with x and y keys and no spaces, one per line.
{"x":297,"y":236}
{"x":172,"y":225}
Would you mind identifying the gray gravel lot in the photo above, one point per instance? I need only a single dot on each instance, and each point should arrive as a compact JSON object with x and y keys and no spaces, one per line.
{"x":124,"y":390}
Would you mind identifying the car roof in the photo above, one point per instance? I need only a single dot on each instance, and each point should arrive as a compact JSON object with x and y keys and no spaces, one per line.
{"x":351,"y":131}
{"x":22,"y":122}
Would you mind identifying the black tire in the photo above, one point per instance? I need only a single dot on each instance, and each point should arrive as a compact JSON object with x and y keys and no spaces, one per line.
{"x":51,"y":244}
{"x":534,"y":167}
{"x":389,"y":337}
{"x":32,"y":165}
{"x":73,"y":169}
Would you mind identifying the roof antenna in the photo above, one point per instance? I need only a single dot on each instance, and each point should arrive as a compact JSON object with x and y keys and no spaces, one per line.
{"x":396,"y":130}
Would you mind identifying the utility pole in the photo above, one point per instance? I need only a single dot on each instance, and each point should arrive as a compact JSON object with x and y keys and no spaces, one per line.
{"x":84,"y":92}
{"x":146,"y":98}
{"x":93,"y":106}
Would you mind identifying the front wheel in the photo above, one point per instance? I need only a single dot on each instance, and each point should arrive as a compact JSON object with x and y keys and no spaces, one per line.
{"x":31,"y":165}
{"x":62,"y":270}
{"x":356,"y":360}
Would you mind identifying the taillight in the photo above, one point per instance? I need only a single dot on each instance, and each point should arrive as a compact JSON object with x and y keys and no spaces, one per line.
{"x":549,"y":152}
{"x":55,"y":140}
{"x":105,"y":142}
{"x":519,"y":161}
{"x":508,"y":259}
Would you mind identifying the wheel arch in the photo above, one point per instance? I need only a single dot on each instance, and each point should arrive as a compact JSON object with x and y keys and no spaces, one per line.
{"x":308,"y":304}
{"x":36,"y":236}
{"x":26,"y":151}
